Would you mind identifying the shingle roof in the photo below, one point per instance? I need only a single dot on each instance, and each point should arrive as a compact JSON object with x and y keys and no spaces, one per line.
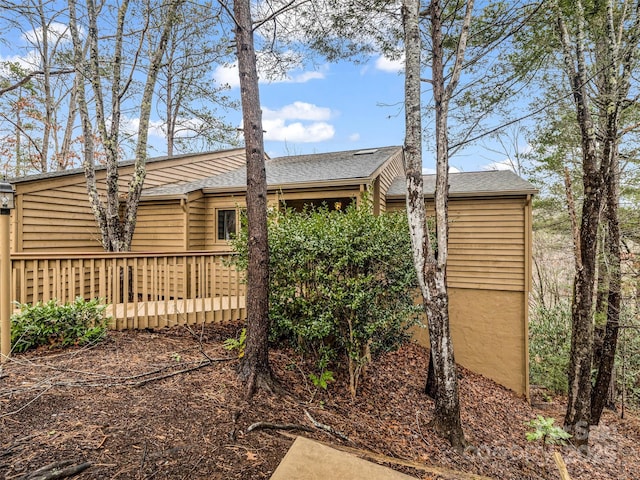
{"x":490,"y":182}
{"x":296,"y":169}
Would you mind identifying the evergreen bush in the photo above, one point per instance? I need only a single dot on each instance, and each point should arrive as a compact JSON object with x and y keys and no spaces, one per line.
{"x":77,"y":323}
{"x":342,"y":284}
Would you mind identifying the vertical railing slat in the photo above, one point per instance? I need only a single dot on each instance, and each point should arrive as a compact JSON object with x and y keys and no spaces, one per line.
{"x":142,"y":290}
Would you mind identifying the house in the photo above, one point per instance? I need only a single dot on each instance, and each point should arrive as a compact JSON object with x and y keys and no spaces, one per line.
{"x":191,"y":202}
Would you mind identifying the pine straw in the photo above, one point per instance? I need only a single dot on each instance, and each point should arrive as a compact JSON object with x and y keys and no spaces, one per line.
{"x":163,"y":405}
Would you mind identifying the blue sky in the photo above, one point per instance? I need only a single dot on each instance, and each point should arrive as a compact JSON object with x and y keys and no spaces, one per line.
{"x":338,"y":106}
{"x":342,"y":106}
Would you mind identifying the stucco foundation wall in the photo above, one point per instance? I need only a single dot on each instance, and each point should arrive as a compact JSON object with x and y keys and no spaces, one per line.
{"x":489,"y":333}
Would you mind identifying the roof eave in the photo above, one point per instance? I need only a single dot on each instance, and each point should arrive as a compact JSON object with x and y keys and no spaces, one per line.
{"x":295,"y":185}
{"x":155,"y":198}
{"x":486,"y":193}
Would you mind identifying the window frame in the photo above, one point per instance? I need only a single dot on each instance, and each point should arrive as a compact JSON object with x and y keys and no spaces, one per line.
{"x":227,"y":232}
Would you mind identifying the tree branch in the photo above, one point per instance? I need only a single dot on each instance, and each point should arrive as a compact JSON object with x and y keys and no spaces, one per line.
{"x":28,"y":78}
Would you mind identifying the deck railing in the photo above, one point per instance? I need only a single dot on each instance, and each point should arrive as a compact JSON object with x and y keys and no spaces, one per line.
{"x":142,"y":290}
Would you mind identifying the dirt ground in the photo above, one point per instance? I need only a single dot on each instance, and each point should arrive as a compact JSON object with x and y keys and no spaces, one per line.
{"x":167,"y":405}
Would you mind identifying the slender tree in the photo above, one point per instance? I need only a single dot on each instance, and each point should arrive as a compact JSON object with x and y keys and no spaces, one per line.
{"x":430,"y":262}
{"x":608,"y":36}
{"x":39,"y":90}
{"x":255,"y":370}
{"x":116,"y":228}
{"x":189,"y":100}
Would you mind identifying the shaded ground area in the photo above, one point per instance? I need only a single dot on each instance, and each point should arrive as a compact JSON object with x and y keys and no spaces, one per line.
{"x":167,"y":405}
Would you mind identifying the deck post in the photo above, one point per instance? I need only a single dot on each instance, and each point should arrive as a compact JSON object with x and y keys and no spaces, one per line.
{"x":6,"y":203}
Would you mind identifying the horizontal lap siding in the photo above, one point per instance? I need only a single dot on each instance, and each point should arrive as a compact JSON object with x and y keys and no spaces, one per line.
{"x":487,"y":244}
{"x":197,"y":225}
{"x":160,"y":227}
{"x":58,"y":220}
{"x":54,"y":214}
{"x":177,"y":171}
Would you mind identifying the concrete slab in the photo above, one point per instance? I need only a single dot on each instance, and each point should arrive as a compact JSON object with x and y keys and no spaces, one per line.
{"x":309,"y":460}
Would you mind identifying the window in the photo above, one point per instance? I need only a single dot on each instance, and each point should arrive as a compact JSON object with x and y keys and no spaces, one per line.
{"x":331,"y":203}
{"x":226,"y":224}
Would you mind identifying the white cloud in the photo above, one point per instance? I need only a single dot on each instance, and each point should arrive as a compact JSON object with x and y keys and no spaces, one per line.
{"x":308,"y":123}
{"x":58,"y":34}
{"x":387,"y":65}
{"x":298,"y":111}
{"x":304,"y":77}
{"x":28,"y":62}
{"x":55,"y":32}
{"x":278,"y":130}
{"x":354,"y":137}
{"x":157,"y":128}
{"x":188,"y":126}
{"x":228,"y":75}
{"x":503,"y":165}
{"x":129,"y":126}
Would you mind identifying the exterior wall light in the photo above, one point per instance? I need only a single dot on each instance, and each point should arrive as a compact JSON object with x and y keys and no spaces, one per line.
{"x":7,"y":197}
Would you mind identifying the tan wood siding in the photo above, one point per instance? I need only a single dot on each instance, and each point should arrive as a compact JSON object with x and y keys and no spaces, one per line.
{"x":160,"y":227}
{"x":213,"y":204}
{"x":163,"y":173}
{"x":487,"y":244}
{"x":197,"y":230}
{"x":58,"y":220}
{"x":53,"y":213}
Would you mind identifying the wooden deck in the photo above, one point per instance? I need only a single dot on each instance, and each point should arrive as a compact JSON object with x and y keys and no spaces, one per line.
{"x":168,"y":313}
{"x":142,"y":290}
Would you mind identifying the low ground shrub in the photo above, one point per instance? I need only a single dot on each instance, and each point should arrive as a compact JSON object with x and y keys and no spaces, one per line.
{"x":77,"y":323}
{"x":549,"y":347}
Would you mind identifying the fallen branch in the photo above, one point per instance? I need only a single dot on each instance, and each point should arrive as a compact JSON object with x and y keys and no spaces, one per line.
{"x":564,"y":473}
{"x":56,"y":470}
{"x":234,"y":418}
{"x":129,"y":381}
{"x":18,"y":410}
{"x":47,"y":385}
{"x":326,"y":428}
{"x":15,"y":445}
{"x":278,"y":426}
{"x":202,"y":364}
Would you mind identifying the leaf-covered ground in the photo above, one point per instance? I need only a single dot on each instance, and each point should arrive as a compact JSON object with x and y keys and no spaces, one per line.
{"x":167,"y":405}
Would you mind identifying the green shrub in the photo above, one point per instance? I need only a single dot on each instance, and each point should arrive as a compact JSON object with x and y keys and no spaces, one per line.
{"x":545,"y":430}
{"x":342,"y":284}
{"x":77,"y":323}
{"x":628,"y":358}
{"x":549,"y":347}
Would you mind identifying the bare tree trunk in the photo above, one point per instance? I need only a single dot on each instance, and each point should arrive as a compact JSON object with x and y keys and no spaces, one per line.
{"x":577,"y":418}
{"x":255,"y":370}
{"x":606,"y":360}
{"x":431,"y":265}
{"x":62,"y":161}
{"x":616,"y":56}
{"x":48,"y":98}
{"x":137,"y":181}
